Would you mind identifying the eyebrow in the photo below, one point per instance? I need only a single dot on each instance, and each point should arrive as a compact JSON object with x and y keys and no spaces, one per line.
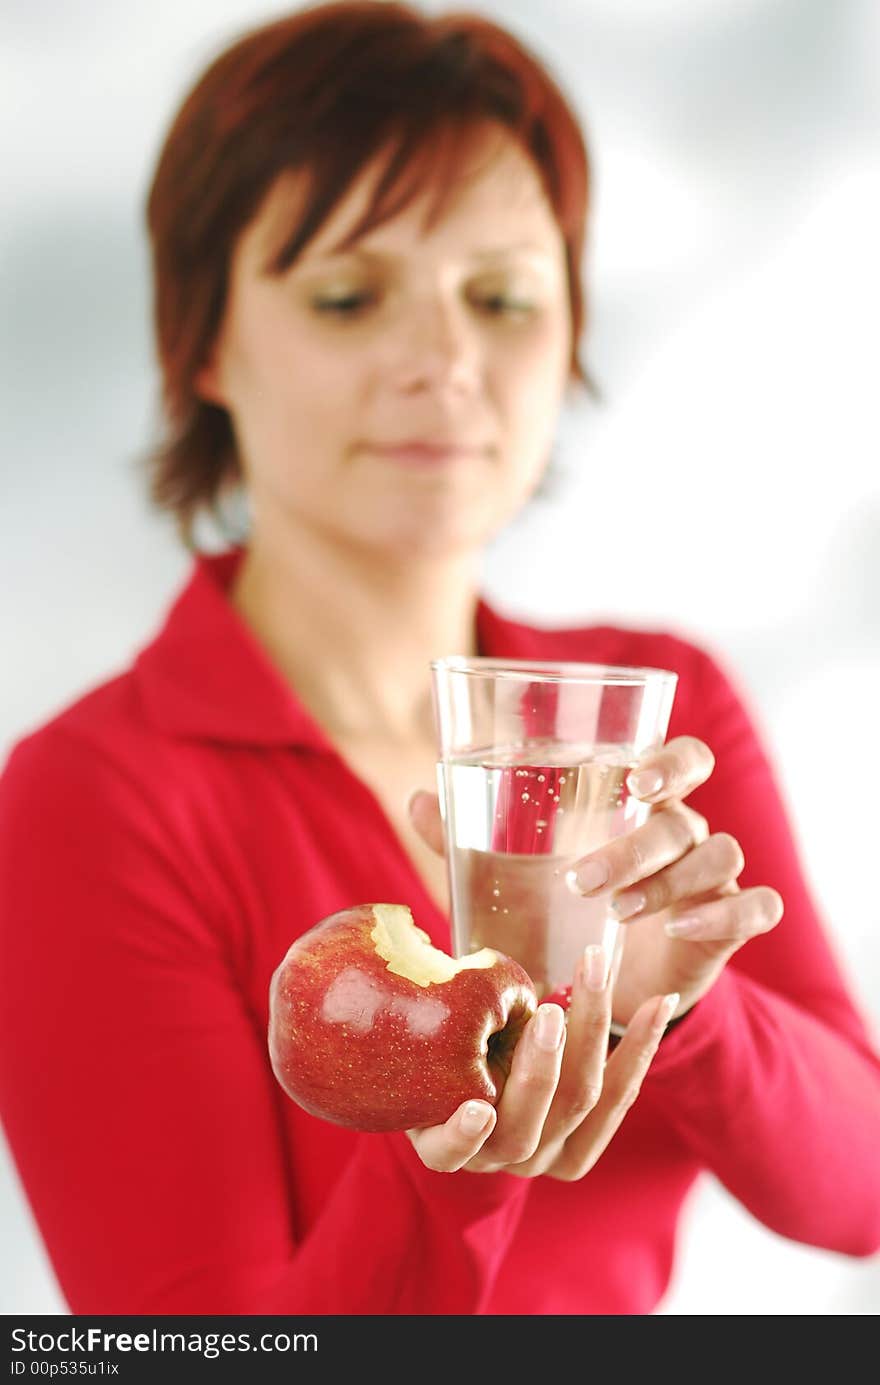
{"x":478,"y":256}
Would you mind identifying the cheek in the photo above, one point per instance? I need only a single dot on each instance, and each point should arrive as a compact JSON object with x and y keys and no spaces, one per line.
{"x":533,"y":376}
{"x":290,"y":388}
{"x":278,"y":365}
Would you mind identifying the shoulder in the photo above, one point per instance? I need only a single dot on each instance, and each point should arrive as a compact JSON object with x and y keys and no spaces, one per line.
{"x":712,"y":697}
{"x":690,"y":655}
{"x":96,"y":764}
{"x":106,"y":717}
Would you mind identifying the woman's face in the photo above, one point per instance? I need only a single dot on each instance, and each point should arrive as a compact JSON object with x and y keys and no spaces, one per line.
{"x":401,"y":395}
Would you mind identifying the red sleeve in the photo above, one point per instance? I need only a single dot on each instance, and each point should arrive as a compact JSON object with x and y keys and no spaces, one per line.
{"x":138,"y":1100}
{"x":772,"y":1079}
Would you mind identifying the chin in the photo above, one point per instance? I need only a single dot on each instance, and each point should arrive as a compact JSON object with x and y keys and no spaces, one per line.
{"x":446,"y":533}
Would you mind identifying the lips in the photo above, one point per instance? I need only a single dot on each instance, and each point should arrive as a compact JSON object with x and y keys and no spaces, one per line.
{"x":424,"y":452}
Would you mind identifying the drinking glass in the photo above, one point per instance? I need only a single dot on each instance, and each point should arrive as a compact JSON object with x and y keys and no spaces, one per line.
{"x":533,"y":759}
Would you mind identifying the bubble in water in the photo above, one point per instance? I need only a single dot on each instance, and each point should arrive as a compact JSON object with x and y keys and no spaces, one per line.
{"x":496,"y":893}
{"x":525,"y":798}
{"x":541,"y":778}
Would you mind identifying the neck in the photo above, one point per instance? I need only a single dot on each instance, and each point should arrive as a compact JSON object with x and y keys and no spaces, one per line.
{"x":353,"y":631}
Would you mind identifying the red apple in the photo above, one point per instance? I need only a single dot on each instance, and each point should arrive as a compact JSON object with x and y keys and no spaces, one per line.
{"x":372,"y":1027}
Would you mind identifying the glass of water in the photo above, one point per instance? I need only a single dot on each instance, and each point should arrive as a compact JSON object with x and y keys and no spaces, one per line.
{"x":533,"y":759}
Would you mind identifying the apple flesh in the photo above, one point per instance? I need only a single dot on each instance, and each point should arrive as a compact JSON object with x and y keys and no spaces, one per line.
{"x":372,"y":1027}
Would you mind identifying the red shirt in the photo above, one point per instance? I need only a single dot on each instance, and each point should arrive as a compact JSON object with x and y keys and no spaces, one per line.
{"x":164,"y":840}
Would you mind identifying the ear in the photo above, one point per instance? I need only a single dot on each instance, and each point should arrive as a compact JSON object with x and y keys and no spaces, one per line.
{"x":206,"y":383}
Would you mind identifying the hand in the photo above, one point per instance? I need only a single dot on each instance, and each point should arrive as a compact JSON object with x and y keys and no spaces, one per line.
{"x":562,"y":1101}
{"x":682,"y":873}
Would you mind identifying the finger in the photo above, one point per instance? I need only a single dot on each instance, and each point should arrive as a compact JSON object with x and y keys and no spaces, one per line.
{"x":734,"y":919}
{"x":667,"y":836}
{"x":445,"y":1148}
{"x":624,"y":1073}
{"x":586,"y":1048}
{"x":673,"y":772}
{"x":706,"y":867}
{"x":528,"y":1091}
{"x":698,"y":824}
{"x":424,"y":814}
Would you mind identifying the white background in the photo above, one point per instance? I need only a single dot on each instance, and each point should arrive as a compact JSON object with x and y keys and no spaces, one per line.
{"x":727,"y":489}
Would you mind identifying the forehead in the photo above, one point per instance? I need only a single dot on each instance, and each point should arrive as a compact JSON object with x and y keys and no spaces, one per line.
{"x":495,"y":196}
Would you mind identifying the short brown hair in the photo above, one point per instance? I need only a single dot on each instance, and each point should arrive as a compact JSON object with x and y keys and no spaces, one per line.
{"x":326,"y":89}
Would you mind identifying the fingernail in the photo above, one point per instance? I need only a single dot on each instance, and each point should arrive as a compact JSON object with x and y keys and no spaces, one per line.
{"x":645,"y":781}
{"x":474,"y":1118}
{"x":412,"y":798}
{"x":549,"y":1027}
{"x":666,"y":1009}
{"x":628,"y":904}
{"x":682,"y":928}
{"x":595,"y":969}
{"x":589,"y":877}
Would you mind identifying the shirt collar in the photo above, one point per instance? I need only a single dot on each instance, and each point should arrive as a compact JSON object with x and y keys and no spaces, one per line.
{"x":206,"y":676}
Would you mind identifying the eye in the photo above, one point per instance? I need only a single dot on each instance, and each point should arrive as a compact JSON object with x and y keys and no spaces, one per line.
{"x":503,"y":304}
{"x":344,"y":305}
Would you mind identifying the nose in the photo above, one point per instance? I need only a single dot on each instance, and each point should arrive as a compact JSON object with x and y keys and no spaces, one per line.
{"x":436,"y":348}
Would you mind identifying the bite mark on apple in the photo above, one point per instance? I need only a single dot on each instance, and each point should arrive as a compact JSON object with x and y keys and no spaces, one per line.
{"x":409,"y":952}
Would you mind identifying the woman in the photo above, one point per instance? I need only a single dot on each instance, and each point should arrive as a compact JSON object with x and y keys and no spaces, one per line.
{"x":367,"y":229}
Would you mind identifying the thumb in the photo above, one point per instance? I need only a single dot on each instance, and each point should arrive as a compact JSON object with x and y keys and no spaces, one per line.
{"x":423,"y":809}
